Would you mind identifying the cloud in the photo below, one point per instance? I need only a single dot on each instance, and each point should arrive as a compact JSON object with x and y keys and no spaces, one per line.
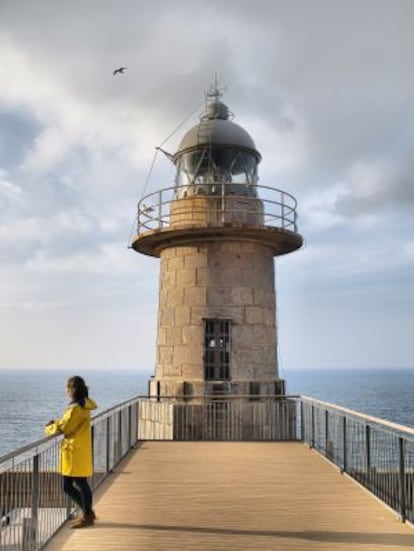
{"x":375,"y":187}
{"x":325,"y":90}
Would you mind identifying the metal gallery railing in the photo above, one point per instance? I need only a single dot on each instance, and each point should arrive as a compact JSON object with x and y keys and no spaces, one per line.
{"x":32,"y":504}
{"x":376,"y":453}
{"x":212,"y":204}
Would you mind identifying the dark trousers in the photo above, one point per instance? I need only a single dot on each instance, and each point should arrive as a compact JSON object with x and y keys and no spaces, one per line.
{"x":77,"y":488}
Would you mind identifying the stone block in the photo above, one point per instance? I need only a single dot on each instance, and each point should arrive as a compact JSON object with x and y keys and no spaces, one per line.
{"x":197,"y":313}
{"x":269,"y":354}
{"x":174,"y":263}
{"x":161,"y":335}
{"x":174,"y":296}
{"x":263,"y":334}
{"x":168,"y":279}
{"x":193,"y":261}
{"x":248,"y":361}
{"x":234,"y":313}
{"x":218,"y":296}
{"x":192,"y":335}
{"x":189,"y":251}
{"x":264,"y":296}
{"x":226,"y":256}
{"x":174,"y":335}
{"x":230,"y":276}
{"x":242,"y":336}
{"x":254,"y":314}
{"x":166,"y":316}
{"x":203,"y":276}
{"x":193,"y":371}
{"x":241,"y":296}
{"x":182,"y":315}
{"x":165,"y":355}
{"x":182,"y":355}
{"x":194,"y":296}
{"x":170,"y":370}
{"x":186,"y":277}
{"x":250,"y":247}
{"x":269,"y":317}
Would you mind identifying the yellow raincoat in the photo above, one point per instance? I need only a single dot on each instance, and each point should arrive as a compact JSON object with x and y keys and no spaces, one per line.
{"x":76,"y":448}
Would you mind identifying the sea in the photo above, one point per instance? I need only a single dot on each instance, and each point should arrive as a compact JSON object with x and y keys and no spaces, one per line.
{"x":30,"y":398}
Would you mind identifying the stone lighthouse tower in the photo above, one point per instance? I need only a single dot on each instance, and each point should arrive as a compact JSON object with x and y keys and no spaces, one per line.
{"x":216,"y":232}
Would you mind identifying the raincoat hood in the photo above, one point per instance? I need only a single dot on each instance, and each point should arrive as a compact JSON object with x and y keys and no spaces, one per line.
{"x":86,"y":403}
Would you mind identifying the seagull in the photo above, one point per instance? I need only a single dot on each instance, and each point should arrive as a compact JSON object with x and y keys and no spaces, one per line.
{"x":120,"y":70}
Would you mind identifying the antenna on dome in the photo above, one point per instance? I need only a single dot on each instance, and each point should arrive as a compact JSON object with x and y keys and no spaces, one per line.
{"x":215,"y":92}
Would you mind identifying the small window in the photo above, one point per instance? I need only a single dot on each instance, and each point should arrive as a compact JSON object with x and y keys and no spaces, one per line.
{"x":217,"y":344}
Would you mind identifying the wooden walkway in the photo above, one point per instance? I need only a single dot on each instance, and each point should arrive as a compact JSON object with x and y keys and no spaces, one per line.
{"x":225,"y":496}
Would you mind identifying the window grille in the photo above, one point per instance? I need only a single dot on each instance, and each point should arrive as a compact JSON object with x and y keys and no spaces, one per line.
{"x":217,"y":344}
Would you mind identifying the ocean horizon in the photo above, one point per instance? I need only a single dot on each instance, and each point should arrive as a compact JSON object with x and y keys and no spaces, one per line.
{"x":30,"y":398}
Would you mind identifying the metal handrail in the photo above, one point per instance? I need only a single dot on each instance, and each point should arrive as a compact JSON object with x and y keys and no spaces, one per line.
{"x":275,"y":208}
{"x":362,"y":416}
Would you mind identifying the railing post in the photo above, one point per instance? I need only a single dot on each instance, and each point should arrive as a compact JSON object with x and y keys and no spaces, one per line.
{"x":93,"y":454}
{"x":223,"y":203}
{"x":368,"y":447}
{"x":137,"y":411}
{"x":129,"y":426}
{"x":119,"y":435}
{"x":312,"y":443}
{"x":32,"y":523}
{"x":302,"y":421}
{"x":160,"y":221}
{"x":28,"y":541}
{"x":401,"y":476}
{"x":344,"y":446}
{"x":108,"y":445}
{"x":326,"y":432}
{"x":29,"y":525}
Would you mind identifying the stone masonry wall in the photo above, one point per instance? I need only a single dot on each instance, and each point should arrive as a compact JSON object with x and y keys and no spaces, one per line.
{"x":223,"y":279}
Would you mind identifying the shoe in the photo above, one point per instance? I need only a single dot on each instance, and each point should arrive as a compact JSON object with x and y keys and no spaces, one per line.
{"x":76,"y":517}
{"x":86,"y":519}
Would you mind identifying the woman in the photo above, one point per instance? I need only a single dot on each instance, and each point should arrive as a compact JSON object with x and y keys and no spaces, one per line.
{"x":76,"y":448}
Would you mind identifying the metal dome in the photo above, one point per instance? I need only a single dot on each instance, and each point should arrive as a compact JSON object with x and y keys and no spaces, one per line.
{"x":215,"y":129}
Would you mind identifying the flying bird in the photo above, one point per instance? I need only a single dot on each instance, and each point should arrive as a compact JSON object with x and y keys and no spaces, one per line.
{"x":120,"y":70}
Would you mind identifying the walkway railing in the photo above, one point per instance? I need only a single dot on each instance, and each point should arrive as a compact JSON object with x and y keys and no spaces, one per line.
{"x":376,"y":453}
{"x":32,"y":504}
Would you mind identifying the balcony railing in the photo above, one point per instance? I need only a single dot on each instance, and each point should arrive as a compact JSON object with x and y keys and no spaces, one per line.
{"x":264,"y":206}
{"x":377,"y":454}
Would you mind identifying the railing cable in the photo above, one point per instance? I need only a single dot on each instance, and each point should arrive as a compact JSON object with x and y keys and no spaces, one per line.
{"x":157,"y":149}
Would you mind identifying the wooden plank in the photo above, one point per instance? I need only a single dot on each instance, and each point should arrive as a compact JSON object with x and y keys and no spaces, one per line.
{"x":225,"y":496}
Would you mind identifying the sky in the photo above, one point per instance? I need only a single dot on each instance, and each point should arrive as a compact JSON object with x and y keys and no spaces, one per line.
{"x":324,"y":87}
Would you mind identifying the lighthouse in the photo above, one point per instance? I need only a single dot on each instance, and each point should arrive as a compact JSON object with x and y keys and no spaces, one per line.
{"x":216,"y":231}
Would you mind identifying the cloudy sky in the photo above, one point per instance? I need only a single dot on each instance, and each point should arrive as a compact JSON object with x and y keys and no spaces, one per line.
{"x":325,"y":88}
